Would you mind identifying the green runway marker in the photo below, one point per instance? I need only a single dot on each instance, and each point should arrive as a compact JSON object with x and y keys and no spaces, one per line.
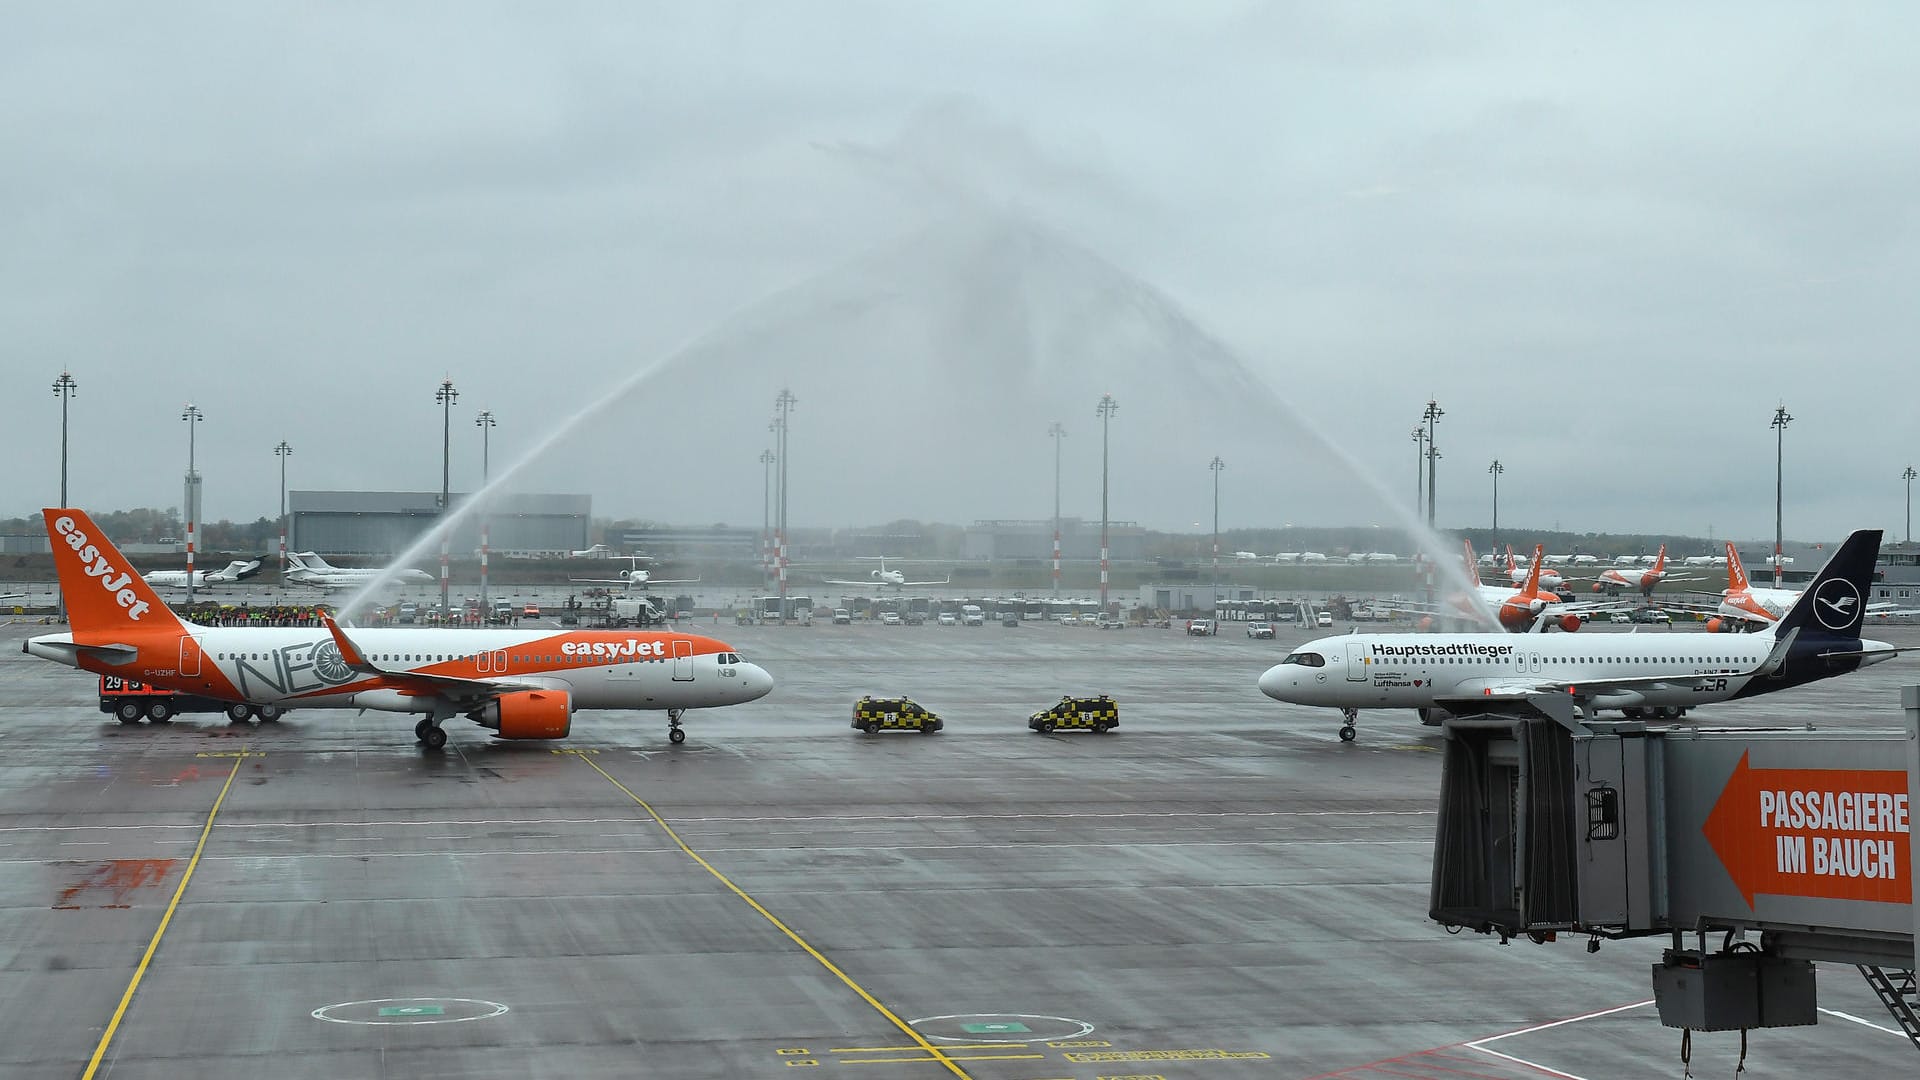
{"x":412,"y":1010}
{"x":993,"y":1029}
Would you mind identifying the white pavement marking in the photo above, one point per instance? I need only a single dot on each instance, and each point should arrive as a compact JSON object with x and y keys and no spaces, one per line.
{"x":1480,"y":1044}
{"x":1864,"y":1023}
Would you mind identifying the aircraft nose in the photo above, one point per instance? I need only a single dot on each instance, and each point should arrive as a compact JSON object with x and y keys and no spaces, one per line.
{"x":1274,"y":681}
{"x":755,"y":682}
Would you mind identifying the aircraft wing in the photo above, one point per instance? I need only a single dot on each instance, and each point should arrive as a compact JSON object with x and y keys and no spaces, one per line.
{"x":942,"y":581}
{"x":672,"y":581}
{"x":869,"y":583}
{"x":466,"y":692}
{"x":603,"y":581}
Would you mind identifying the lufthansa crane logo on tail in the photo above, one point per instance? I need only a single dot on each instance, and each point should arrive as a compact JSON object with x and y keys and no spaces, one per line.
{"x":1836,"y":604}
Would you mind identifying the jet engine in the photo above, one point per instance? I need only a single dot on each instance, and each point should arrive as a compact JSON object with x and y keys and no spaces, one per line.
{"x":1714,"y":626}
{"x":1597,"y":587}
{"x":1569,"y":623}
{"x":529,"y":714}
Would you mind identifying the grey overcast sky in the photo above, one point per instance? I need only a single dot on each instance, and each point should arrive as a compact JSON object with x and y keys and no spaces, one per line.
{"x":1609,"y":240}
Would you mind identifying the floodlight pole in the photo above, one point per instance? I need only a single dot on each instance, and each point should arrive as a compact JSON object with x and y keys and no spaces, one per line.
{"x":1216,"y":465}
{"x":784,"y":403}
{"x":192,"y":415}
{"x":1908,"y":477}
{"x":1496,"y":469}
{"x":485,"y":422}
{"x":1419,"y":471}
{"x":283,"y":451}
{"x":63,"y":388}
{"x":1105,"y":411}
{"x":1057,"y":431}
{"x":766,"y":518}
{"x":1779,"y":424}
{"x":1432,"y":416}
{"x":445,"y":397}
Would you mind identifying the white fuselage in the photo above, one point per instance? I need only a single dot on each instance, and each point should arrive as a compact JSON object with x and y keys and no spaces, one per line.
{"x":1412,"y":671}
{"x":299,"y":667}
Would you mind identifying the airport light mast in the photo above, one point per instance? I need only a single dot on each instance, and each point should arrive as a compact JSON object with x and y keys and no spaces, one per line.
{"x":283,"y":451}
{"x":784,"y":403}
{"x":63,"y":388}
{"x":1216,"y":465}
{"x":193,"y":416}
{"x":1496,"y":469}
{"x":766,"y":517}
{"x":1419,"y":471}
{"x":1908,"y":477}
{"x":1432,"y":417}
{"x":1056,"y":431}
{"x":484,"y":421}
{"x":1780,"y":421}
{"x":1104,"y":411}
{"x":445,"y":397}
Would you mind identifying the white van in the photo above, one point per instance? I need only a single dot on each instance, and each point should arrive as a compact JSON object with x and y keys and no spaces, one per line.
{"x":971,"y":615}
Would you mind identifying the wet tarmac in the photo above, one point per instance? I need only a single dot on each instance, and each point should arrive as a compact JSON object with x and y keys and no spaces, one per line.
{"x":1219,"y":889}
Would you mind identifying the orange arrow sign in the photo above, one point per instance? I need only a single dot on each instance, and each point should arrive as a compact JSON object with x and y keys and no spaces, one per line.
{"x":1837,"y":834}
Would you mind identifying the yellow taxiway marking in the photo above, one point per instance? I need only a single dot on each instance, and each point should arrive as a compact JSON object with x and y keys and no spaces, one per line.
{"x":206,"y":830}
{"x":919,"y":1040}
{"x":944,"y":1058}
{"x":897,"y":1049}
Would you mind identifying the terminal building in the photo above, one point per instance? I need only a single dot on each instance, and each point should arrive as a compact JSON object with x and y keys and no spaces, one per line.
{"x":1079,"y":540}
{"x":388,"y":522}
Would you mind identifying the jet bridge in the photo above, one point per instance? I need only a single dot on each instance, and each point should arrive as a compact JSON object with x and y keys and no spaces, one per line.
{"x":1787,"y":846}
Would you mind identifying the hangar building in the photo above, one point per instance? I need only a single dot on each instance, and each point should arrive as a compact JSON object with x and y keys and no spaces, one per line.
{"x":386,"y":522}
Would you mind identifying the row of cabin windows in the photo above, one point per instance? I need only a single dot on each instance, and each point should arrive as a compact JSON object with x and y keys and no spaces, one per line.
{"x":723,"y":658}
{"x":1309,"y":659}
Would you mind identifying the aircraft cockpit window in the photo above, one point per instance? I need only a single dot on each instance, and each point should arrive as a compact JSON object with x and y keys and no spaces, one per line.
{"x":1306,"y":659}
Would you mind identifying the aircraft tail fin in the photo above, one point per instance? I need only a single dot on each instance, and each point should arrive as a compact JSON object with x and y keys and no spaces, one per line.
{"x":1736,"y":573}
{"x":102,"y":592}
{"x":1660,"y":560}
{"x":1473,"y":570}
{"x":1533,"y":575}
{"x":1835,"y":601}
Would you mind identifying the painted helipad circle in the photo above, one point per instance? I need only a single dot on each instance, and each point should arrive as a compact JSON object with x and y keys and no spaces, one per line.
{"x":1009,"y":1028}
{"x":409,"y":1011}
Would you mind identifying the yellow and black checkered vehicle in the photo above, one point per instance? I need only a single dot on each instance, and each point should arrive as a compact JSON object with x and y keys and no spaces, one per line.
{"x":874,"y":715}
{"x":1096,"y":714}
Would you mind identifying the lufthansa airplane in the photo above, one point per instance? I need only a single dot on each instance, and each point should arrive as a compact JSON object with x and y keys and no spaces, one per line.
{"x":521,"y":684}
{"x":1644,"y":675}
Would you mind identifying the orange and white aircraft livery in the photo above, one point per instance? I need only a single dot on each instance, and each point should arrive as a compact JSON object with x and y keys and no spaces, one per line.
{"x":521,"y":684}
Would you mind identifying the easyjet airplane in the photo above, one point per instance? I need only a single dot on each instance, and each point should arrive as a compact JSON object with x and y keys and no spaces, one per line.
{"x":521,"y":684}
{"x":1529,"y":607}
{"x":1615,"y":579}
{"x":1550,"y":578}
{"x":1660,"y":675}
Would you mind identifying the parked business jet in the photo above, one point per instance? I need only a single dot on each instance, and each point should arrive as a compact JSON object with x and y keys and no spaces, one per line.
{"x":1660,"y":675}
{"x":597,"y":551}
{"x":177,"y":579}
{"x":895,"y":578}
{"x":1611,"y":581}
{"x":307,"y":568}
{"x":634,"y":576}
{"x":521,"y":684}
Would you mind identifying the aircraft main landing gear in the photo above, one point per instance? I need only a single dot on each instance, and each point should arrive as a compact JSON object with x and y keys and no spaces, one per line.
{"x":1347,"y":731}
{"x":674,"y":734}
{"x":430,"y":734}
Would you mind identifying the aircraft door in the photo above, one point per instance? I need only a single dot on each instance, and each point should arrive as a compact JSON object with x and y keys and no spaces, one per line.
{"x":189,"y":656}
{"x":1356,"y":661}
{"x":682,"y":660}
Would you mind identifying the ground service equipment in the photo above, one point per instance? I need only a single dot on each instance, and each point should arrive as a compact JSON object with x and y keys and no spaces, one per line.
{"x":1788,"y":846}
{"x":129,"y":700}
{"x":1096,"y":714}
{"x":876,"y":714}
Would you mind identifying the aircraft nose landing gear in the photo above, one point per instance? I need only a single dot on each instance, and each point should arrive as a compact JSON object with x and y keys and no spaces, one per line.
{"x":674,"y":734}
{"x":1347,"y":731}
